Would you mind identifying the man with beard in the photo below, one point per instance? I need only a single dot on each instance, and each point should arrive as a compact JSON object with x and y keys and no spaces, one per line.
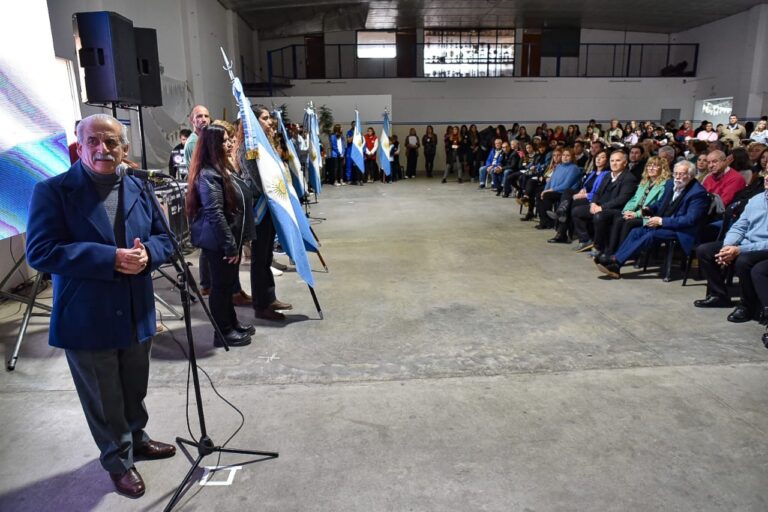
{"x":675,"y":217}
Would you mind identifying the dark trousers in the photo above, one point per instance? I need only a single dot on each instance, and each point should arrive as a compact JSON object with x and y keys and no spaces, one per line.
{"x":567,"y":227}
{"x":412,"y":156}
{"x":511,"y":181}
{"x":111,"y":385}
{"x":429,"y":163}
{"x":582,"y":221}
{"x":547,"y":203}
{"x":760,"y":284}
{"x":619,"y":232}
{"x":742,"y":268}
{"x":262,"y":280}
{"x":205,"y":274}
{"x":371,"y":169}
{"x":334,"y":173}
{"x":602,"y":224}
{"x":224,"y":276}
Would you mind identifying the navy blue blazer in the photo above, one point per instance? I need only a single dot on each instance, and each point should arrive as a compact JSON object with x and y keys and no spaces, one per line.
{"x":69,"y":235}
{"x":688,"y":216}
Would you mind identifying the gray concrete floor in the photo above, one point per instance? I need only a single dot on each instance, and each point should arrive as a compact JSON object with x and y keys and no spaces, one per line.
{"x":463,"y":364}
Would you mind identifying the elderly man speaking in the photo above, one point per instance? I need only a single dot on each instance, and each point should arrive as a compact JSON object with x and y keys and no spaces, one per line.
{"x":100,"y":237}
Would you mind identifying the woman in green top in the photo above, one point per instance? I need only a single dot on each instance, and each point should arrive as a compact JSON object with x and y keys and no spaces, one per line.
{"x":650,"y":190}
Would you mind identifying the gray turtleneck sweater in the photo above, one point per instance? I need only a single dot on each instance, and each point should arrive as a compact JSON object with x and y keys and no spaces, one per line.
{"x":108,"y":189}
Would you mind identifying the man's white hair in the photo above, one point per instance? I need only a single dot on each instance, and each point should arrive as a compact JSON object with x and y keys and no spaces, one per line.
{"x":689,"y":166}
{"x":104,"y":118}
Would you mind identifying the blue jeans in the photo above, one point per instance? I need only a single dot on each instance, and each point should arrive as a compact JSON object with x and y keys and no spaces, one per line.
{"x":483,"y":175}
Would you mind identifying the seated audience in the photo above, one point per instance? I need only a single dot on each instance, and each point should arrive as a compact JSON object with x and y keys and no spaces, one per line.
{"x":582,"y":195}
{"x":648,"y":193}
{"x":613,"y":194}
{"x":492,"y":163}
{"x":760,"y":134}
{"x":745,"y":245}
{"x":722,"y":180}
{"x":677,"y":216}
{"x":564,"y":177}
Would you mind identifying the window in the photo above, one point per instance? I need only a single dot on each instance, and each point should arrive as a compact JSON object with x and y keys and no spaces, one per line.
{"x":376,"y":45}
{"x":473,"y":53}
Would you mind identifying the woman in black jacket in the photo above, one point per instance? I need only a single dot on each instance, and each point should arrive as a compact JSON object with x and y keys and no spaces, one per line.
{"x":219,"y":209}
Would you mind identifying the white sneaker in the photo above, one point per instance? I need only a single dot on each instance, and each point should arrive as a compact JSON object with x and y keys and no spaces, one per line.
{"x":276,"y":272}
{"x":337,"y":184}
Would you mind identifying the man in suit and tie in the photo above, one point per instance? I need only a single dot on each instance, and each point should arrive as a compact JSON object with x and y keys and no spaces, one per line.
{"x":677,"y":216}
{"x":98,"y":235}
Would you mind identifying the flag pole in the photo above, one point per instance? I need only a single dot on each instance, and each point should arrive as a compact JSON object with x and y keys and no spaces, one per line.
{"x":317,"y":304}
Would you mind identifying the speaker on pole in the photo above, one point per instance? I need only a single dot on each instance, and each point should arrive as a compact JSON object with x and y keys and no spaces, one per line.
{"x":148,"y":67}
{"x":107,"y":51}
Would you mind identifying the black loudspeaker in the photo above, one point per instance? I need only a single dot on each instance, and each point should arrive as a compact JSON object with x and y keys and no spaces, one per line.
{"x":148,"y":67}
{"x":107,"y":53}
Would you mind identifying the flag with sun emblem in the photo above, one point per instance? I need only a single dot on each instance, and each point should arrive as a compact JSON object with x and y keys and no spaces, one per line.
{"x":383,"y":153}
{"x":314,"y":159}
{"x":294,"y":164}
{"x":263,"y":163}
{"x":357,"y":145}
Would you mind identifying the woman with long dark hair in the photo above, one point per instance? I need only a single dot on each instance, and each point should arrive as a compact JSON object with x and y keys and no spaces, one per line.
{"x":219,"y":210}
{"x":453,"y":158}
{"x":429,"y":143}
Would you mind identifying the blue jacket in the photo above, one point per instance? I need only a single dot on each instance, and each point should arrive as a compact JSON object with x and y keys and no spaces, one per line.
{"x":334,"y":147}
{"x":687,"y":218}
{"x":69,"y":235}
{"x":597,"y":181}
{"x":489,"y":160}
{"x":750,"y":232}
{"x":564,"y":176}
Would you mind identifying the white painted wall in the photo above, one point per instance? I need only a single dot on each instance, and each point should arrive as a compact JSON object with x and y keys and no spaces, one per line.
{"x":733,"y":60}
{"x":504,"y":100}
{"x":189,"y":34}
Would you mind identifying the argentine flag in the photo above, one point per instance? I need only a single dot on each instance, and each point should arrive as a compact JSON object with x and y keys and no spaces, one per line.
{"x":383,"y":153}
{"x":357,"y":145}
{"x":290,"y":223}
{"x":314,"y":160}
{"x":297,"y":177}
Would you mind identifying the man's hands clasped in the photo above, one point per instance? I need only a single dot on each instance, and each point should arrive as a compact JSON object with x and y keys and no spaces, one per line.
{"x":132,"y":261}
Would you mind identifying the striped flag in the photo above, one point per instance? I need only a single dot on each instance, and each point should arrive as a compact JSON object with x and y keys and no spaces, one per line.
{"x":358,"y":145}
{"x":314,"y":159}
{"x":383,"y":153}
{"x":294,"y":164}
{"x":263,"y":162}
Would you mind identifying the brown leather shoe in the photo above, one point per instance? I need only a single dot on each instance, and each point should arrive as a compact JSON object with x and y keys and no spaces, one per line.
{"x":277,"y":305}
{"x":205,"y":292}
{"x":242,"y":299}
{"x":268,"y":314}
{"x":129,"y":483}
{"x":154,"y":450}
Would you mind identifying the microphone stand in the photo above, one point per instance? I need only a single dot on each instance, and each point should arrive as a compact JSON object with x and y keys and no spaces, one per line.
{"x":205,"y":445}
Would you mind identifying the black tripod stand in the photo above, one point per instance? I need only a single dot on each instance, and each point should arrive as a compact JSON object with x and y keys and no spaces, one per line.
{"x":205,"y":445}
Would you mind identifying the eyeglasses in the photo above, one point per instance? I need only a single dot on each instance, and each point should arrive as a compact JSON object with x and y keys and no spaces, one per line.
{"x":94,"y":142}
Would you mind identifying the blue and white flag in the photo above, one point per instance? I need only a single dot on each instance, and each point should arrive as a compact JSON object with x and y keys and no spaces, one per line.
{"x":383,"y":153}
{"x":290,"y":223}
{"x":294,"y":164}
{"x":357,"y":145}
{"x":314,"y":159}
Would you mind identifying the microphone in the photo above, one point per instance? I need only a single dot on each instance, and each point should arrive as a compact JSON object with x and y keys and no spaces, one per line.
{"x":142,"y":174}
